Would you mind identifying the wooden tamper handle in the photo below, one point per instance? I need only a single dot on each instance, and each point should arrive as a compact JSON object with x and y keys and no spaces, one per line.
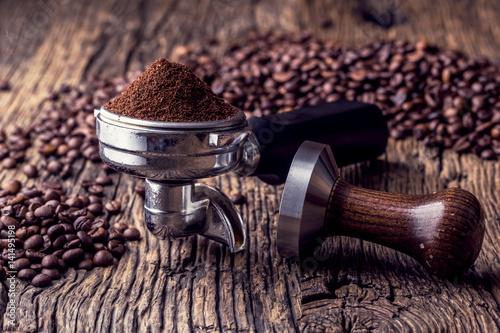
{"x":443,"y":231}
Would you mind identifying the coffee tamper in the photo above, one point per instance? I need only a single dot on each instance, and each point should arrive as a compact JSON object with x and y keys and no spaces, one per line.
{"x":442,"y":231}
{"x":173,"y":155}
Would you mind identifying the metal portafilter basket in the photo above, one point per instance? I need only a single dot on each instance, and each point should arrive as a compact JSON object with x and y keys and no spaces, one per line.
{"x":172,"y":156}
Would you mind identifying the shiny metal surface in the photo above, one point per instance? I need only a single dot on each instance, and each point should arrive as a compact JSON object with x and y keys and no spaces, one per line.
{"x":171,"y":151}
{"x":184,"y":209}
{"x":305,"y":198}
{"x":171,"y":156}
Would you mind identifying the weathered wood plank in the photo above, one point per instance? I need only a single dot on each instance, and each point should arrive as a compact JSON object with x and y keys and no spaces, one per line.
{"x":194,"y":284}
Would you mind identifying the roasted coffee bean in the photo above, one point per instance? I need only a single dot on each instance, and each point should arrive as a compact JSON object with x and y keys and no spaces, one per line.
{"x":30,"y":171}
{"x":34,"y":242}
{"x":18,"y":253}
{"x":61,"y":265}
{"x":86,"y":264}
{"x":104,"y":180}
{"x":17,"y":243}
{"x":24,"y":233}
{"x":59,"y":242}
{"x":100,"y":223}
{"x":103,"y":258}
{"x":95,"y":208}
{"x":55,"y":231}
{"x":50,"y":261}
{"x":99,"y":247}
{"x":68,"y":228}
{"x":21,"y":263}
{"x":9,"y":221}
{"x":120,"y":227}
{"x":116,"y":236}
{"x":53,"y":273}
{"x":72,"y":244}
{"x":72,"y":255}
{"x":37,"y":267}
{"x":34,"y":256}
{"x":9,"y":163}
{"x":132,"y":234}
{"x":70,"y":237}
{"x":45,"y":211}
{"x":237,"y":198}
{"x":113,"y":207}
{"x":98,"y":235}
{"x":26,"y":274}
{"x":116,"y":248}
{"x":96,"y":190}
{"x":41,"y":280}
{"x":83,"y":223}
{"x":85,"y":239}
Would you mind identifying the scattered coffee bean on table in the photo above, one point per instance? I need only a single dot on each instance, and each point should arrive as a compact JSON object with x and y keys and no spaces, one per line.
{"x":169,"y":91}
{"x":53,"y":232}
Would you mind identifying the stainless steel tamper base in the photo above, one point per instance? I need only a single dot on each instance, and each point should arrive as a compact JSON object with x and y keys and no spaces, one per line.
{"x":171,"y":156}
{"x":305,"y":199}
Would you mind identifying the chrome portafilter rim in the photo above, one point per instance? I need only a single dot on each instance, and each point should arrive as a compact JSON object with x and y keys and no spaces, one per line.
{"x":234,"y":122}
{"x":174,"y":151}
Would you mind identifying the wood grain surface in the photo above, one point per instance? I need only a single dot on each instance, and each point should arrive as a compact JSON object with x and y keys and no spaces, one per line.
{"x":195,"y":285}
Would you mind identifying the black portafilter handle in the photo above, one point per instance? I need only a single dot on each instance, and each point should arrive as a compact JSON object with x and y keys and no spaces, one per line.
{"x":355,"y":132}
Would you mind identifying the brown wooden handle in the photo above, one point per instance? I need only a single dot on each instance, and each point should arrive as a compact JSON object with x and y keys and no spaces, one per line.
{"x":443,"y":231}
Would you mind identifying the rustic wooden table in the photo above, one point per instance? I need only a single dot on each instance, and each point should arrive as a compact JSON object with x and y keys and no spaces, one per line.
{"x":195,"y":285}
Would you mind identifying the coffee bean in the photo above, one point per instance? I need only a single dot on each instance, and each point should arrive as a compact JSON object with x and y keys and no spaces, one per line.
{"x":86,"y":264}
{"x":99,"y":247}
{"x":100,"y":223}
{"x":103,"y":258}
{"x":30,"y":171}
{"x":72,"y":255}
{"x":41,"y":280}
{"x":120,"y":227}
{"x":9,"y":163}
{"x":37,"y":267}
{"x":45,"y":211}
{"x":104,"y":180}
{"x":113,"y":207}
{"x":21,"y":263}
{"x":9,"y":221}
{"x":55,"y":231}
{"x":132,"y":234}
{"x":114,"y":235}
{"x":52,"y":273}
{"x":34,"y":256}
{"x":83,"y":223}
{"x":26,"y":274}
{"x":98,"y":235}
{"x":59,"y":242}
{"x":50,"y":261}
{"x":34,"y":242}
{"x":85,"y":239}
{"x":116,"y":248}
{"x":237,"y":198}
{"x":96,"y":190}
{"x":95,"y":208}
{"x":24,"y":233}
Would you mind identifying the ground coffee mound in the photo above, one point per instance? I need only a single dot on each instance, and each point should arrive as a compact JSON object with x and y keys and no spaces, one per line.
{"x":169,"y":91}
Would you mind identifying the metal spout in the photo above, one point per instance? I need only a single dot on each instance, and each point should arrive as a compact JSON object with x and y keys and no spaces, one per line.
{"x":174,"y":209}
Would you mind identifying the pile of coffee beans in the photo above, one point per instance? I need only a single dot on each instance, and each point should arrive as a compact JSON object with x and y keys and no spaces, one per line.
{"x":43,"y":231}
{"x":441,"y":97}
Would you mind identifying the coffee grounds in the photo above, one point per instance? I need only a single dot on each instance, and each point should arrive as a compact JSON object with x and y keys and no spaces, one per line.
{"x":169,"y":91}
